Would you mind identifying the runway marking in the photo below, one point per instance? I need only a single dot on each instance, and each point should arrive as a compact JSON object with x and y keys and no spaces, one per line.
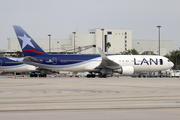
{"x":122,"y":85}
{"x":76,"y":109}
{"x":139,"y":98}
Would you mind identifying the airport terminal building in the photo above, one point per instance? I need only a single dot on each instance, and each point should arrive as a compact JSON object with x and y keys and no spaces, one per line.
{"x":120,"y":40}
{"x":166,"y":46}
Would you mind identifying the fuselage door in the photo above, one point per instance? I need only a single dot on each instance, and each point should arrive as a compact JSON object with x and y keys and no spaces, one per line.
{"x":161,"y":61}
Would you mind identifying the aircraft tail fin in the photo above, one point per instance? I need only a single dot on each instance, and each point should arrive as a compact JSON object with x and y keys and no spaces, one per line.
{"x":28,"y":45}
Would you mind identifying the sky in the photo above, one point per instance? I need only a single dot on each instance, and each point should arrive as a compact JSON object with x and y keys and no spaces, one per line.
{"x":62,"y":17}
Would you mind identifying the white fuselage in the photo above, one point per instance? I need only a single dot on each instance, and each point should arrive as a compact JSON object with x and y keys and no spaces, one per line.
{"x":141,"y":63}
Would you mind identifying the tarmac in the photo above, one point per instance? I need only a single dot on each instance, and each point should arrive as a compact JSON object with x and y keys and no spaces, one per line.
{"x":72,"y":98}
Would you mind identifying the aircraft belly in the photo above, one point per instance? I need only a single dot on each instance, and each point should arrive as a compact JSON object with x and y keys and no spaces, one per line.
{"x":90,"y":66}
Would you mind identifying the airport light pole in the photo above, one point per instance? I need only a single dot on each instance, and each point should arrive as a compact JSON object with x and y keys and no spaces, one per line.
{"x":49,"y":42}
{"x":159,"y":38}
{"x":102,"y":37}
{"x":74,"y":41}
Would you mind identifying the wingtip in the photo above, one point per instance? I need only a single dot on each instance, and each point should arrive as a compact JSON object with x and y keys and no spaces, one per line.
{"x":100,"y":50}
{"x":102,"y":53}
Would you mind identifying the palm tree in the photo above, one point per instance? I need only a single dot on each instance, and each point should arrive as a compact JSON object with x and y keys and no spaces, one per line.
{"x":130,"y":52}
{"x":108,"y":45}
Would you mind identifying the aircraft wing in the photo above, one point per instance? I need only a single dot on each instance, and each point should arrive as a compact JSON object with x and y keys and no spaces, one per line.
{"x":107,"y":63}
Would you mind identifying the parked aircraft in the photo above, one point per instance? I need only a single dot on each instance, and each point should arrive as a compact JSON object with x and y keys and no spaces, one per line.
{"x":11,"y":64}
{"x":102,"y":64}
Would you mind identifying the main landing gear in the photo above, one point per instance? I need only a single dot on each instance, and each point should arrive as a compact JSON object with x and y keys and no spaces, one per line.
{"x":36,"y":75}
{"x":91,"y":76}
{"x":102,"y":76}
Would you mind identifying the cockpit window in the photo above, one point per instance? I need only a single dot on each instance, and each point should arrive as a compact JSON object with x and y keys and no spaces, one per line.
{"x":168,"y":60}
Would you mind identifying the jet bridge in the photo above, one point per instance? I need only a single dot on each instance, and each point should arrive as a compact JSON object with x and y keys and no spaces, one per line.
{"x":77,"y":49}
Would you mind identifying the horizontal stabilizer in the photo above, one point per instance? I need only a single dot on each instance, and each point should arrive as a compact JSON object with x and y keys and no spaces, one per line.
{"x":29,"y":58}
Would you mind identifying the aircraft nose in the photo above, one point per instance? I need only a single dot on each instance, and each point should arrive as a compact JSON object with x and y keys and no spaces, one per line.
{"x":172,"y":64}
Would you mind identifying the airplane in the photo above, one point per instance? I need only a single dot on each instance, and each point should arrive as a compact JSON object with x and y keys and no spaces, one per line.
{"x":102,"y":64}
{"x":11,"y":64}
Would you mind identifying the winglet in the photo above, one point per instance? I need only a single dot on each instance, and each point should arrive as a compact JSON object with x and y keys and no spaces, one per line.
{"x":103,"y":56}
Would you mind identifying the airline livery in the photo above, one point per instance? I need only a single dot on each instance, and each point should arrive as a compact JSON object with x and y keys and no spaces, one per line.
{"x":11,"y":64}
{"x":102,"y":64}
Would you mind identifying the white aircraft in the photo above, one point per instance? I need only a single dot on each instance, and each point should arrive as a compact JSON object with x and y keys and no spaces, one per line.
{"x":102,"y":64}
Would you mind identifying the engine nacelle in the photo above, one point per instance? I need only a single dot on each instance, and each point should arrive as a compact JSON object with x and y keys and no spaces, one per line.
{"x":125,"y":70}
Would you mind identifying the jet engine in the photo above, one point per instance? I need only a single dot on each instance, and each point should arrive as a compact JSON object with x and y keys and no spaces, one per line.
{"x":125,"y":70}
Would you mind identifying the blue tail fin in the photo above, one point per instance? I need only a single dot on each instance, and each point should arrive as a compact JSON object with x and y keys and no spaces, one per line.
{"x":28,"y":45}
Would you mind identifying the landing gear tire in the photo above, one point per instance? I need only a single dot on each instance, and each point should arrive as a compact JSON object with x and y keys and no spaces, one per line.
{"x":103,"y":76}
{"x":40,"y":75}
{"x":33,"y":75}
{"x":90,"y":76}
{"x":44,"y":75}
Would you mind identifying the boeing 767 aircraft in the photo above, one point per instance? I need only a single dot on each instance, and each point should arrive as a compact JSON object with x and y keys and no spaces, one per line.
{"x":102,"y":64}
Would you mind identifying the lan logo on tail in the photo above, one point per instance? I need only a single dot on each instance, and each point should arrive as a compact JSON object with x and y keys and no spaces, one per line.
{"x":28,"y":45}
{"x":26,"y":41}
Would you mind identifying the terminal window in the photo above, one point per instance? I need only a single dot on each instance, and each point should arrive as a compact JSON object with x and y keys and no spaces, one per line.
{"x":109,"y":33}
